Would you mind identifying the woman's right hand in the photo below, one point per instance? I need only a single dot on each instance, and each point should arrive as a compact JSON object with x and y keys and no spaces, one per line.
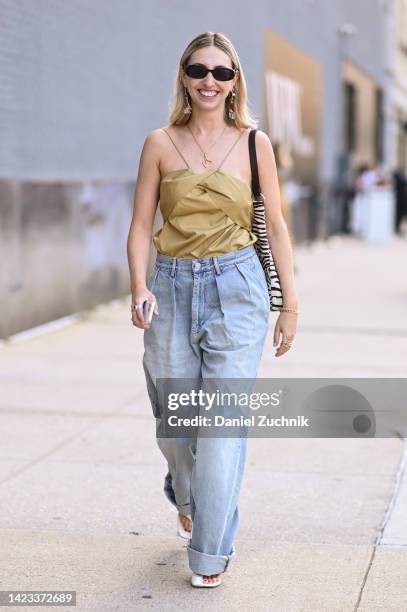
{"x":138,"y":297}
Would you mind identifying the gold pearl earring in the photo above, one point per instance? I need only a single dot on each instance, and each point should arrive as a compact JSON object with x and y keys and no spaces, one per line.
{"x":188,"y":108}
{"x":231,"y":112}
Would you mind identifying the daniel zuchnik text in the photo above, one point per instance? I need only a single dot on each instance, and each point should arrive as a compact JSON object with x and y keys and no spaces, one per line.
{"x":259,"y":420}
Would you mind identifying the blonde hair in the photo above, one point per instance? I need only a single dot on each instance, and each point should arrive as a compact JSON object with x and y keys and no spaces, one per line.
{"x":243,"y":117}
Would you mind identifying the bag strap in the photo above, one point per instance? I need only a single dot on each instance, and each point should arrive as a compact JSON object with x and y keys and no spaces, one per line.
{"x":253,"y":164}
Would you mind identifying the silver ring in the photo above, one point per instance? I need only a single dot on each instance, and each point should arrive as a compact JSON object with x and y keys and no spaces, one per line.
{"x":136,"y":306}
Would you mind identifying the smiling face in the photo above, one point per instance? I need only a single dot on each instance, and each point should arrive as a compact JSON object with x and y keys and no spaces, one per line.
{"x":207,"y":92}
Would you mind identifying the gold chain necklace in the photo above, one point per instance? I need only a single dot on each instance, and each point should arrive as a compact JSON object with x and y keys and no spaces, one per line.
{"x":206,"y":160}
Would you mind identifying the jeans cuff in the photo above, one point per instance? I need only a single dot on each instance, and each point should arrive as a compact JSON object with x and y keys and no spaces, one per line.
{"x":184,"y":509}
{"x":206,"y":565}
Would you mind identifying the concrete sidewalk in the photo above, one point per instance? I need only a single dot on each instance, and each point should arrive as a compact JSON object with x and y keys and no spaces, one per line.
{"x":81,"y":478}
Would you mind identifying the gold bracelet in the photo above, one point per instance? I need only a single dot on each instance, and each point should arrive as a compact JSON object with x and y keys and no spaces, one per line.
{"x":292,"y":310}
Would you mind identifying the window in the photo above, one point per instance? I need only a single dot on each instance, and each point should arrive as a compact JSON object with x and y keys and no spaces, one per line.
{"x":378,"y":127}
{"x":349,"y":113}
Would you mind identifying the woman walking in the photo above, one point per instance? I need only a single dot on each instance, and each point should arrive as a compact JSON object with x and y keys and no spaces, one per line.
{"x":211,"y":310}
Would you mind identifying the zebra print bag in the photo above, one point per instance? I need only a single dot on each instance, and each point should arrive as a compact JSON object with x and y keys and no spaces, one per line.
{"x":262,"y":245}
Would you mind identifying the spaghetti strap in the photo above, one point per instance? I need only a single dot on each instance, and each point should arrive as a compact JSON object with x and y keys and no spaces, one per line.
{"x":233,"y":145}
{"x":176,"y":148}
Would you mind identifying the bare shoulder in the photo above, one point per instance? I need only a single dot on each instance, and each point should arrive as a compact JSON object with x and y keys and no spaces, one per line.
{"x":263,"y":141}
{"x":264,"y":148}
{"x":155,"y":137}
{"x":153,"y":146}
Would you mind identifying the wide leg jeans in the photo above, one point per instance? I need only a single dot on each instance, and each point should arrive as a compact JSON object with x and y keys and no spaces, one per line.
{"x":212,"y":323}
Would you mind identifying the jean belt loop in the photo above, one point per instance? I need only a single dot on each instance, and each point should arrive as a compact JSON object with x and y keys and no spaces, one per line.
{"x":216,"y":264}
{"x":174,"y":263}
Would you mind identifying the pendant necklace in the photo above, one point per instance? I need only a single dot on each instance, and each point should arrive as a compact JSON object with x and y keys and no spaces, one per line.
{"x":206,"y":161}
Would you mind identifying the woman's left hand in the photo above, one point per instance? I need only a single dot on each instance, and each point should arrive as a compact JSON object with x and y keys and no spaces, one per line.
{"x":285,"y":329}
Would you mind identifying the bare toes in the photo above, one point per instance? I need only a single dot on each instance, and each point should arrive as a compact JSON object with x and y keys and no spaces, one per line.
{"x":211,"y":579}
{"x":186,"y":523}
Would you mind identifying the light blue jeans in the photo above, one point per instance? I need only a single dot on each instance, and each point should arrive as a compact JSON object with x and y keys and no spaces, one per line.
{"x":212,"y":323}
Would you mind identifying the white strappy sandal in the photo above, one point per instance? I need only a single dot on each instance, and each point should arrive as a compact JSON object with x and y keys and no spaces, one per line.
{"x":183,"y":533}
{"x":198,"y":581}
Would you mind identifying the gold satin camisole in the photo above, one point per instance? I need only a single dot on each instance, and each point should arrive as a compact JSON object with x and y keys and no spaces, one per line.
{"x":204,"y":214}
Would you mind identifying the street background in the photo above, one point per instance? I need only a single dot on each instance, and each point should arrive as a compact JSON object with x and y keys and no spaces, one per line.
{"x":83,"y":83}
{"x":323,"y":521}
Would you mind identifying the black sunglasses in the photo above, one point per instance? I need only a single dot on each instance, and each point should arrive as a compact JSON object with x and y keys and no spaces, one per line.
{"x":220,"y":73}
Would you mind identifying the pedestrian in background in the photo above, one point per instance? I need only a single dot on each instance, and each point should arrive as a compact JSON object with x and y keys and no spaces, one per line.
{"x":400,"y":193}
{"x":366,"y":178}
{"x":211,"y":300}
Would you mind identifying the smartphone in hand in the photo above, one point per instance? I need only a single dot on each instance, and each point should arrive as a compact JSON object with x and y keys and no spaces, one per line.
{"x":148,"y":309}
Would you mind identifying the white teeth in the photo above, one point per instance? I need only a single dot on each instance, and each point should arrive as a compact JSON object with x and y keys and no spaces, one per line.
{"x":207,"y":93}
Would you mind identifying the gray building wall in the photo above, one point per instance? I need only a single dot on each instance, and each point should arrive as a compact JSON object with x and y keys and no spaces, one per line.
{"x":83,"y":82}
